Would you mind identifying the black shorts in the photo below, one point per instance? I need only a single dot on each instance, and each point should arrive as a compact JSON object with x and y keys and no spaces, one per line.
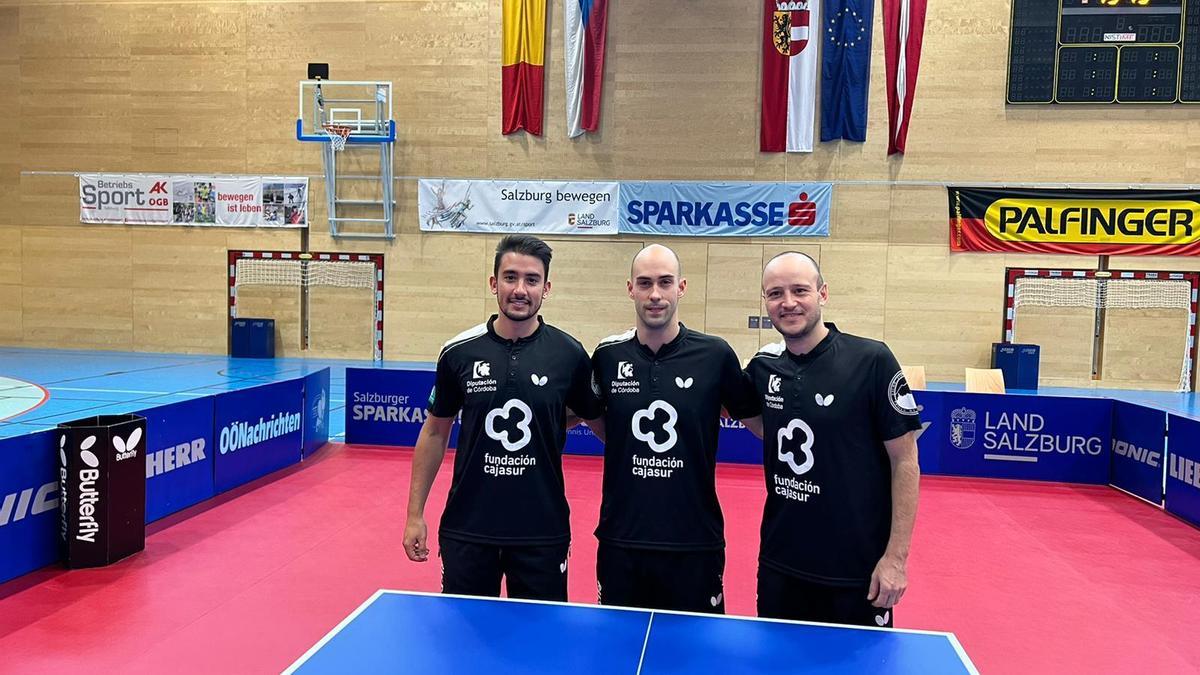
{"x":530,"y":572}
{"x":782,"y":596}
{"x":689,"y":581}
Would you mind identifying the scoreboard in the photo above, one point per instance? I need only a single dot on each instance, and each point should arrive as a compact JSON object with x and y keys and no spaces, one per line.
{"x":1104,"y":51}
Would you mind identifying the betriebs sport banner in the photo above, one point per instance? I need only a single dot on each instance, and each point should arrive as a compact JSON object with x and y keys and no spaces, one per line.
{"x":1090,"y":222}
{"x":227,"y":201}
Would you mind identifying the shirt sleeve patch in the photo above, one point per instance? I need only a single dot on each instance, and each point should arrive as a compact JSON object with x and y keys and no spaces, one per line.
{"x":900,"y":396}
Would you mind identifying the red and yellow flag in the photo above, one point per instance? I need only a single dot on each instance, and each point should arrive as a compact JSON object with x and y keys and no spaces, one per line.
{"x":524,"y":53}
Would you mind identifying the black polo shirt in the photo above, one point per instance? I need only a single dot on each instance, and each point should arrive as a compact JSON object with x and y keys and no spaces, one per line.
{"x":826,"y":414}
{"x":662,"y":417}
{"x":508,"y":481}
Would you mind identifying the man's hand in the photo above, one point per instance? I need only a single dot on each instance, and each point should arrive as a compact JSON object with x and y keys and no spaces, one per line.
{"x":888,"y":581}
{"x":415,"y":539}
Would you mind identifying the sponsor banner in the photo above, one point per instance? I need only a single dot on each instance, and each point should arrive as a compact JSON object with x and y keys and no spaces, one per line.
{"x":256,"y":431}
{"x":179,"y":456}
{"x":1139,"y":437}
{"x":930,"y":438}
{"x":387,"y":407}
{"x":28,"y":503}
{"x":736,"y":444}
{"x":726,"y":209}
{"x":316,"y":412}
{"x":230,"y":201}
{"x":1183,"y":468}
{"x":532,"y":207}
{"x":1022,"y":437}
{"x":581,"y":441}
{"x":1090,"y":222}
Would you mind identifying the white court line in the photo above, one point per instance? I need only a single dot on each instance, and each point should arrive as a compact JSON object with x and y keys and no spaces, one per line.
{"x":1010,"y":458}
{"x":645,"y":641}
{"x":330,"y":635}
{"x":962,"y":654}
{"x":110,"y":391}
{"x":1136,"y":496}
{"x":966,"y":661}
{"x":642,"y":610}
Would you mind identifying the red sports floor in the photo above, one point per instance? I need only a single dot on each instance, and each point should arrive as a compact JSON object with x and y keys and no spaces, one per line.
{"x":1031,"y":577}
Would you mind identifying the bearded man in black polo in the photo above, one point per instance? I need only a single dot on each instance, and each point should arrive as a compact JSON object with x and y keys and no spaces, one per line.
{"x":661,"y":531}
{"x":515,"y":379}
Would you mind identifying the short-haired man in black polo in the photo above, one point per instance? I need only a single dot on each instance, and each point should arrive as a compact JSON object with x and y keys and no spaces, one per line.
{"x":514,"y":379}
{"x":839,"y":428}
{"x":661,"y":532}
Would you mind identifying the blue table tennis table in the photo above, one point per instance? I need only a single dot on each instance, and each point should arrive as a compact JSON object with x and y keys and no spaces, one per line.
{"x":404,"y":632}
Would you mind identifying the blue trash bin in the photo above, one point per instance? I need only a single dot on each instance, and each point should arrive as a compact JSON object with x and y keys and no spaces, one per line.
{"x":252,"y":338}
{"x":1018,"y":362}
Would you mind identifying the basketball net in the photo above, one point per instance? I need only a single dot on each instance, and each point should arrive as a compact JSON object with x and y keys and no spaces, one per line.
{"x":337,"y":135}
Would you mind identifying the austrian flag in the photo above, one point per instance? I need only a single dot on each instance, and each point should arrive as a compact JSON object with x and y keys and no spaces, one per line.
{"x":789,"y":74}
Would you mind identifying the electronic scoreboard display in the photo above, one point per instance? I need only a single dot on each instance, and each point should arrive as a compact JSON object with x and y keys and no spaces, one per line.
{"x":1104,"y":51}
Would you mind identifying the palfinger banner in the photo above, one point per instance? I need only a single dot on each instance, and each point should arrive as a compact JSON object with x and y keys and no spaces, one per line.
{"x":227,"y":201}
{"x":530,"y":207}
{"x":1088,"y":222}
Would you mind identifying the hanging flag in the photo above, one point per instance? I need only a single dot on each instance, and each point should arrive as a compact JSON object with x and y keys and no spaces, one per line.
{"x":846,"y":69}
{"x":523,"y":56}
{"x":789,"y":75}
{"x":903,"y":28}
{"x":585,"y":23}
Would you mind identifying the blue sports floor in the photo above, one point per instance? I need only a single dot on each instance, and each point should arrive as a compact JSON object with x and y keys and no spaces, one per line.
{"x":41,"y":387}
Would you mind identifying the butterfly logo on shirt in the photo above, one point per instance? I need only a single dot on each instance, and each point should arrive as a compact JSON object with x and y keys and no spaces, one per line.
{"x":825,"y":401}
{"x":684,"y":384}
{"x":538,"y":381}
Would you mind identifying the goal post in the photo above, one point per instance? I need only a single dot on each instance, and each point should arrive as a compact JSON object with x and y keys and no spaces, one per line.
{"x":1102,"y":290}
{"x":305,"y":270}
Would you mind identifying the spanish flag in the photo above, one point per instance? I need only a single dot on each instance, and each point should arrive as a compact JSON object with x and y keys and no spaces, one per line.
{"x":523,"y":58}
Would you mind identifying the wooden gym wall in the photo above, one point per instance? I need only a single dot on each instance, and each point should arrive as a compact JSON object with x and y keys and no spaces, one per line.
{"x":194,"y":87}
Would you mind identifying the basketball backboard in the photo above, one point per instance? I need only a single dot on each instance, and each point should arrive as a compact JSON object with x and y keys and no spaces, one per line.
{"x":364,"y":107}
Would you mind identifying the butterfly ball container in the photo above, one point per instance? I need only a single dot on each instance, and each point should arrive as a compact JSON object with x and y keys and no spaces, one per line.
{"x":102,"y":489}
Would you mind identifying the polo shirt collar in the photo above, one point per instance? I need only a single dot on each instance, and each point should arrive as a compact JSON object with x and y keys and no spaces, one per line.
{"x":667,"y":348}
{"x":821,"y":347}
{"x":491,"y":329}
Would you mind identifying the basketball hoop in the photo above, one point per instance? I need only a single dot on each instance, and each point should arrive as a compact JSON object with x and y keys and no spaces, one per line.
{"x":337,"y":135}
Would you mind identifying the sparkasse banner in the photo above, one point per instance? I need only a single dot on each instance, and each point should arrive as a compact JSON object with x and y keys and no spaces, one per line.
{"x":1090,"y":222}
{"x":228,"y":201}
{"x":508,"y":206}
{"x":726,"y":209}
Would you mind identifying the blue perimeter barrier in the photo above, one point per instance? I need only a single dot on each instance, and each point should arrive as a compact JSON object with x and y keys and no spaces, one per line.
{"x":194,"y":450}
{"x":1028,"y":437}
{"x":199,"y":448}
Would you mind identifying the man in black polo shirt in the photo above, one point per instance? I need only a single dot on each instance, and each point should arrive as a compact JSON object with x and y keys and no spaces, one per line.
{"x":840,"y":453}
{"x":661,"y":532}
{"x":513,"y":378}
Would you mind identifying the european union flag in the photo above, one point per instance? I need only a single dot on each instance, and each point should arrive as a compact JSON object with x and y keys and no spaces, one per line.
{"x":845,"y":69}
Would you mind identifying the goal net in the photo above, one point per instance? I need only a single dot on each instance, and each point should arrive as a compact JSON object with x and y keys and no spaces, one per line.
{"x":305,"y":271}
{"x":1116,"y":290}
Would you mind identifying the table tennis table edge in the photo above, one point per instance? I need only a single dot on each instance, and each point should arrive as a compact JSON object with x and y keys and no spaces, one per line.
{"x":953,"y":640}
{"x":334,"y":631}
